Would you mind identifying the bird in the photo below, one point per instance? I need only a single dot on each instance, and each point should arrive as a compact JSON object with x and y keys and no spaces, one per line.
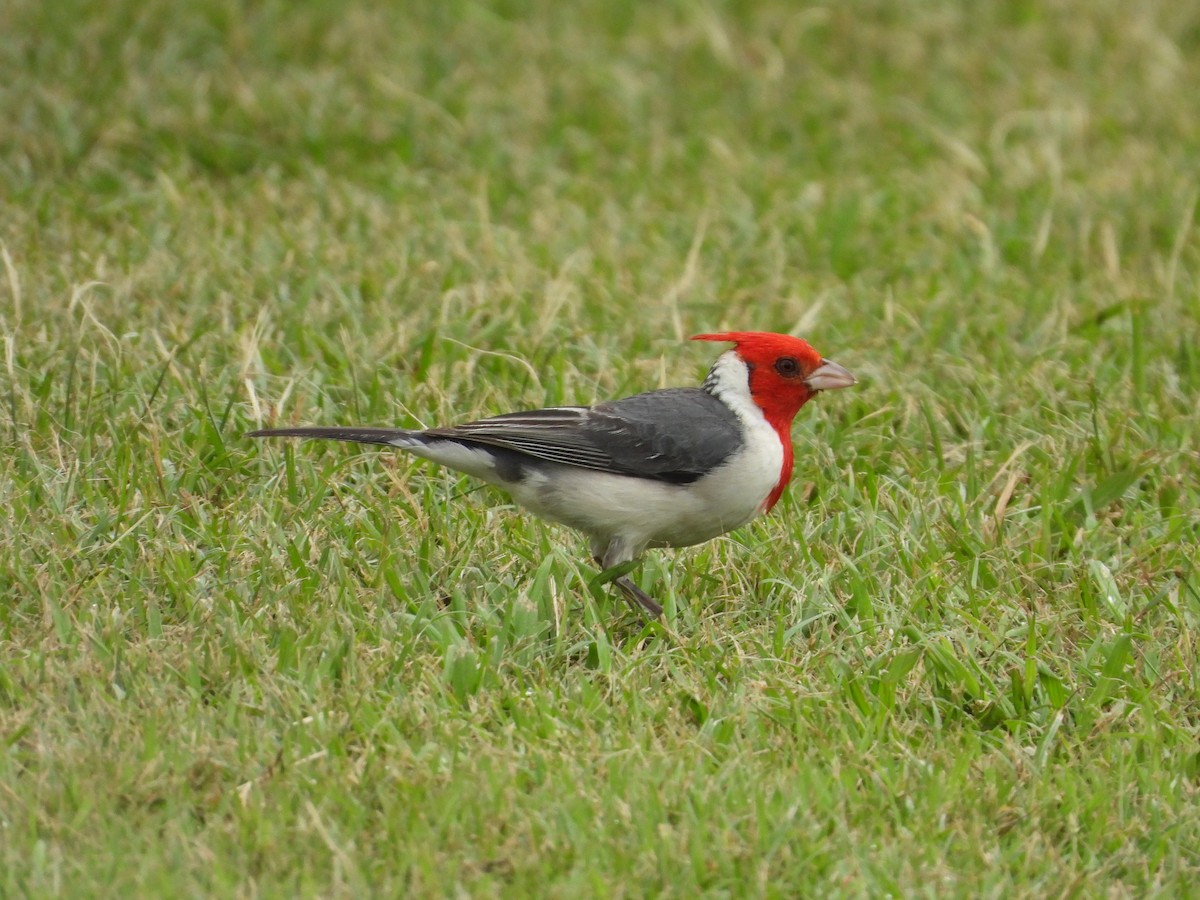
{"x":667,"y":468}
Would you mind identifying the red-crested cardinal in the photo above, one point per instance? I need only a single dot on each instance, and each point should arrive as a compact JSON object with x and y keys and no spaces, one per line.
{"x":667,"y":468}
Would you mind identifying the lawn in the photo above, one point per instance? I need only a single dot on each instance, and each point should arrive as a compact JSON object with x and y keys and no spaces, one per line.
{"x":958,"y":659}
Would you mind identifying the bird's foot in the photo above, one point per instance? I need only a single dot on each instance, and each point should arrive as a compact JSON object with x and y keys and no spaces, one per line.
{"x":618,"y":575}
{"x":635,"y":595}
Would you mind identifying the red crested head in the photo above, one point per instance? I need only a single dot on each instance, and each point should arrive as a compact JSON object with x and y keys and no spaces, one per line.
{"x":785,"y":372}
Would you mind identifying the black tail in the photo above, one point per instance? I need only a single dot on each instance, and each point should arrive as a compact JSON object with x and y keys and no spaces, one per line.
{"x":335,"y":433}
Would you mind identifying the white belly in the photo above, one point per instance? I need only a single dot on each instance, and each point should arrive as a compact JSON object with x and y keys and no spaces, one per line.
{"x":644,"y":512}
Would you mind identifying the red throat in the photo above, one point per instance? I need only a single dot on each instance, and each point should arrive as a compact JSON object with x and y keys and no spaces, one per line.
{"x":780,"y":411}
{"x":785,"y":472}
{"x":780,"y":418}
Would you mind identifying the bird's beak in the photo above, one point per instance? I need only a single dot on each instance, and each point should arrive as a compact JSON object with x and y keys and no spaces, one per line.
{"x":829,"y":376}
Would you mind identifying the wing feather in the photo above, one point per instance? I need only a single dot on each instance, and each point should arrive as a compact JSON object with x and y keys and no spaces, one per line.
{"x":675,"y":435}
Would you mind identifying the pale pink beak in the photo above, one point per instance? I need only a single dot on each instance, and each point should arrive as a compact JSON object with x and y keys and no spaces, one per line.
{"x":829,"y":376}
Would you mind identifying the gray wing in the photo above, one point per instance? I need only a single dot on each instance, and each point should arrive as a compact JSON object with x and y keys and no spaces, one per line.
{"x":674,"y":435}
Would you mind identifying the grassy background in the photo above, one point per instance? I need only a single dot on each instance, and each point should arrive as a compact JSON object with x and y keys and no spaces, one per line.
{"x":960,"y":658}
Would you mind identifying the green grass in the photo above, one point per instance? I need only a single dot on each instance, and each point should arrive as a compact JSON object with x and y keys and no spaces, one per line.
{"x":960,"y":658}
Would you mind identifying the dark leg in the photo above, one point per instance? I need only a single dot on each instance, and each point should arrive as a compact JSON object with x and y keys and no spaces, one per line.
{"x":636,"y":595}
{"x":615,"y":554}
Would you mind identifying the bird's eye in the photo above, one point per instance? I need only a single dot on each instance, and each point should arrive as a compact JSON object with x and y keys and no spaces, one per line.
{"x":787,"y":367}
